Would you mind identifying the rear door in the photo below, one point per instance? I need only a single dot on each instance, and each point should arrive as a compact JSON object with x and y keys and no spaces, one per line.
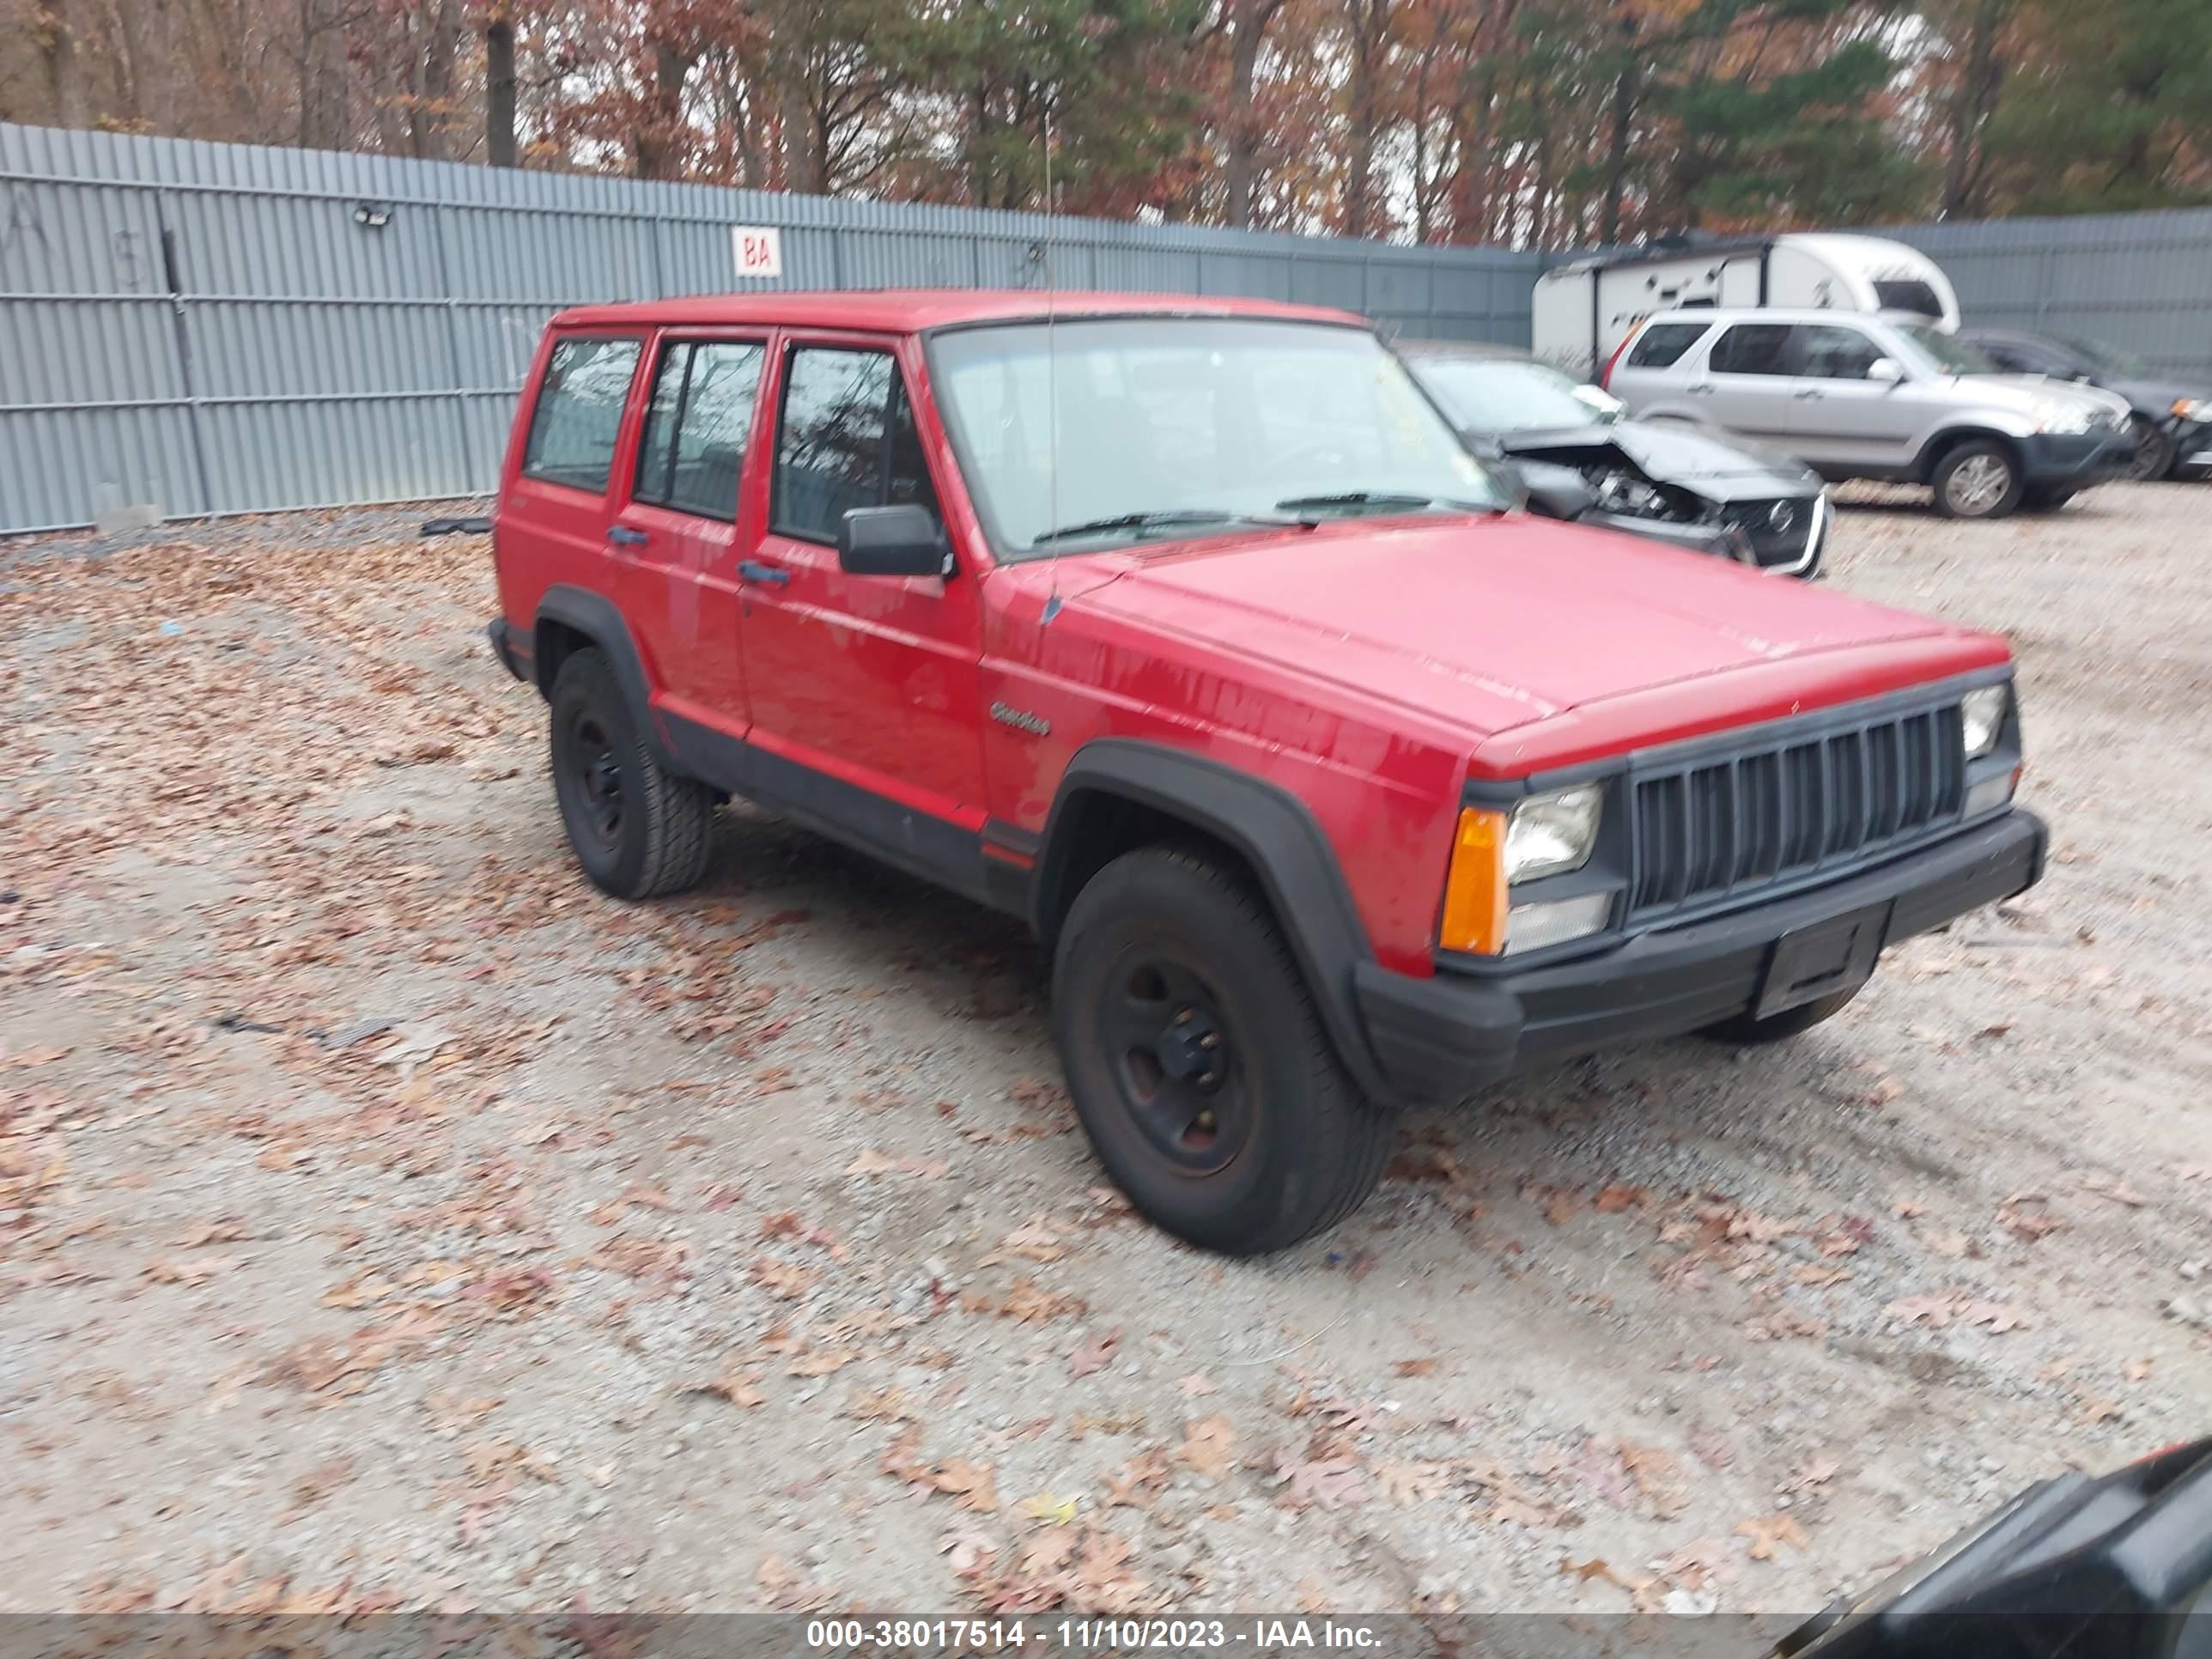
{"x":1744,"y":383}
{"x":673,"y":543}
{"x":555,"y":515}
{"x":1837,"y":413}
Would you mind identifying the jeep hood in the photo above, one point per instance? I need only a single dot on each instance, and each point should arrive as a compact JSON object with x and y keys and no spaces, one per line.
{"x":1667,"y":452}
{"x":1489,"y":624}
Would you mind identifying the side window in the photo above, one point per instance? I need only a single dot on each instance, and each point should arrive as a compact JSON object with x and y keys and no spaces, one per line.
{"x":1752,"y":348}
{"x":700,"y":419}
{"x":847,"y":440}
{"x":1661,"y":345}
{"x":1830,"y":353}
{"x":578,"y":419}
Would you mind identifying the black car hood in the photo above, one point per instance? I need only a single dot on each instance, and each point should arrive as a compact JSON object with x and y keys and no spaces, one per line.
{"x":1720,"y":464}
{"x":2154,"y":398}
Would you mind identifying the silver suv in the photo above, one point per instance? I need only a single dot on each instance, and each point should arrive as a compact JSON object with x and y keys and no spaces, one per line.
{"x":1877,"y":397}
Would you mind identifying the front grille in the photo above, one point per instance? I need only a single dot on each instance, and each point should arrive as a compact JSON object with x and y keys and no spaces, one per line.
{"x":1771,"y":544}
{"x":1715,"y":828}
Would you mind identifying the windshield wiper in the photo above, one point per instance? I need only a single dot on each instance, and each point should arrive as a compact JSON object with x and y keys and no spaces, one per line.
{"x":1378,"y":498}
{"x":1161,"y":518}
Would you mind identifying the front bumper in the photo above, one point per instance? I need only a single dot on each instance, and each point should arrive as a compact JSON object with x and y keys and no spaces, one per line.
{"x":2192,"y":444}
{"x":2076,"y":461}
{"x":1439,"y":1040}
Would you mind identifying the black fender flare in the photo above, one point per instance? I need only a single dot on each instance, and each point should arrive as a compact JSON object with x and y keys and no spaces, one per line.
{"x":600,"y":620}
{"x":1275,"y":833}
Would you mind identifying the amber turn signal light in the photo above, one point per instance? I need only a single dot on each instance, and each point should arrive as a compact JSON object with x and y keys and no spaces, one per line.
{"x":1474,"y":891}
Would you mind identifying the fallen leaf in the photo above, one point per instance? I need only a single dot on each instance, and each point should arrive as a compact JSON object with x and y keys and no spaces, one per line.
{"x":1619,"y":1196}
{"x":1033,"y":1242}
{"x":1045,"y":1507}
{"x":1049,"y":1551}
{"x":967,"y":1484}
{"x":738,"y":1388}
{"x":1135,"y":1483}
{"x":821,"y":1362}
{"x":1198,"y":1383}
{"x":1092,"y":1356}
{"x":2117,"y":1189}
{"x":1330,"y":1483}
{"x":969,"y":1553}
{"x":1770,"y":1532}
{"x":1411,"y":1483}
{"x":2135,"y":1370}
{"x":1206,"y":1445}
{"x":194,"y":1274}
{"x":785,"y":1280}
{"x":1415,"y":1367}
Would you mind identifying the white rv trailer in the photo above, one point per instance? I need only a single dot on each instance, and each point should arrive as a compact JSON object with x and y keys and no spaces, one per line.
{"x":1583,"y":311}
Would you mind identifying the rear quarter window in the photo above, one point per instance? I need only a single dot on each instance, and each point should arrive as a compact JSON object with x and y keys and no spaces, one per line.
{"x":578,"y":420}
{"x":1661,"y":345}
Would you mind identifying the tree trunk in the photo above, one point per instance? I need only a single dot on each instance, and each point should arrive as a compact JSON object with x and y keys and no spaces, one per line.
{"x":1248,"y":28}
{"x":57,"y":43}
{"x":1369,"y":18}
{"x":1976,"y":100}
{"x":658,"y":139}
{"x":499,"y":92}
{"x":795,"y":116}
{"x":1627,"y":86}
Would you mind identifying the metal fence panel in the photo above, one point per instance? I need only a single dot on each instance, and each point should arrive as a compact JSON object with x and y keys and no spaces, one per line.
{"x":222,"y":328}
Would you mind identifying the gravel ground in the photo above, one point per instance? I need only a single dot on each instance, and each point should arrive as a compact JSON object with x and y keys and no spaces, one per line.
{"x":386,"y":1220}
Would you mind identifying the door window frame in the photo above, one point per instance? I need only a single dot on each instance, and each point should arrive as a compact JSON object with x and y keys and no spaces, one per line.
{"x":666,"y":341}
{"x":621,"y":461}
{"x":905,"y":368}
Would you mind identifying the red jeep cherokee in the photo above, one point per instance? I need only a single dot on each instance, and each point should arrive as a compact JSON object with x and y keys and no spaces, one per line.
{"x":1185,"y":629}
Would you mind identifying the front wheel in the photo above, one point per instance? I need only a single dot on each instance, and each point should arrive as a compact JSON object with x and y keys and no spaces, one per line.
{"x":1198,"y":1063}
{"x":1748,"y":1030}
{"x":1979,"y":479}
{"x":2154,"y":456}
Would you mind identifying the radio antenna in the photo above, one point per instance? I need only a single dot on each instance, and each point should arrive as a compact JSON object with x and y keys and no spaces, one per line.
{"x":1051,"y":384}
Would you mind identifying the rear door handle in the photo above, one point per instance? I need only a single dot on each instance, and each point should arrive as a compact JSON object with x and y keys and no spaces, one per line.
{"x":752,"y":571}
{"x":1811,"y":392}
{"x":1701,"y":390}
{"x":623,"y":535}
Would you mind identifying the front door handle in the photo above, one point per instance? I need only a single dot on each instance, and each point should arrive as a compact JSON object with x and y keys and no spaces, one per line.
{"x":752,"y":571}
{"x":1701,"y":390}
{"x":623,"y":535}
{"x":1811,"y":392}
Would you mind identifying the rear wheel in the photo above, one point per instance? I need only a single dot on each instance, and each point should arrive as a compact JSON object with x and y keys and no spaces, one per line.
{"x":1198,"y":1063}
{"x":2154,"y":456}
{"x":638,"y":830}
{"x":1979,"y":479}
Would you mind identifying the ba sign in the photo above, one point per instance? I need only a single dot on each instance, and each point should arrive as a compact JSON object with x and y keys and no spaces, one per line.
{"x":758,"y":248}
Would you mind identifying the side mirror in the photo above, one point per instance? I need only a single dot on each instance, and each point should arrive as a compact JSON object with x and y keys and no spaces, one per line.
{"x":1884,"y":371}
{"x":892,"y":541}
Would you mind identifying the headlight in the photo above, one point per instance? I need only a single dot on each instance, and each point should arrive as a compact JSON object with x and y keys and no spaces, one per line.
{"x":1550,"y":835}
{"x":1982,"y":719}
{"x":2069,"y":419}
{"x":2193,"y":409}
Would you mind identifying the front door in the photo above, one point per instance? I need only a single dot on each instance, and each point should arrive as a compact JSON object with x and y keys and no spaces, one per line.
{"x":1744,"y":383}
{"x":866,"y":691}
{"x":1838,"y":413}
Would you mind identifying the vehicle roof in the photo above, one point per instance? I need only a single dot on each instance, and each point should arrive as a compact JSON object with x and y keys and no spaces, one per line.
{"x":1780,"y":314}
{"x":908,"y":311}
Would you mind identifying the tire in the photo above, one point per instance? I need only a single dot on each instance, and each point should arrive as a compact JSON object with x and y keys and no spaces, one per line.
{"x":638,"y":830}
{"x":1978,"y":479}
{"x":2045,"y":501}
{"x":1283,"y":1145}
{"x":1745,"y":1030}
{"x":2154,"y":452}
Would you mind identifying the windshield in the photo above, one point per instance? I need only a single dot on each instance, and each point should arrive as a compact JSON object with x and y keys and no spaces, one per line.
{"x":1946,"y":352}
{"x":1504,"y":394}
{"x":1169,"y":427}
{"x":2111,"y":359}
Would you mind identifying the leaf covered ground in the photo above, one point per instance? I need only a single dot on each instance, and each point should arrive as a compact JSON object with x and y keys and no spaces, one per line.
{"x":387,"y":1220}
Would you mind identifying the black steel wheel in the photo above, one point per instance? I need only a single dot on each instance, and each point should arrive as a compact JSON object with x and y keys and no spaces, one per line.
{"x":637,"y":829}
{"x":1198,"y":1063}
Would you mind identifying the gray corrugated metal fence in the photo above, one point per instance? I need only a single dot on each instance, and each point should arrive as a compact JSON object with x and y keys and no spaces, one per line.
{"x":216,"y":328}
{"x":2141,"y":281}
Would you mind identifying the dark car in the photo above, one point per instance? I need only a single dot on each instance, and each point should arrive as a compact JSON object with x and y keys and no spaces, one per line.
{"x":2172,"y":413}
{"x":1571,"y":448}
